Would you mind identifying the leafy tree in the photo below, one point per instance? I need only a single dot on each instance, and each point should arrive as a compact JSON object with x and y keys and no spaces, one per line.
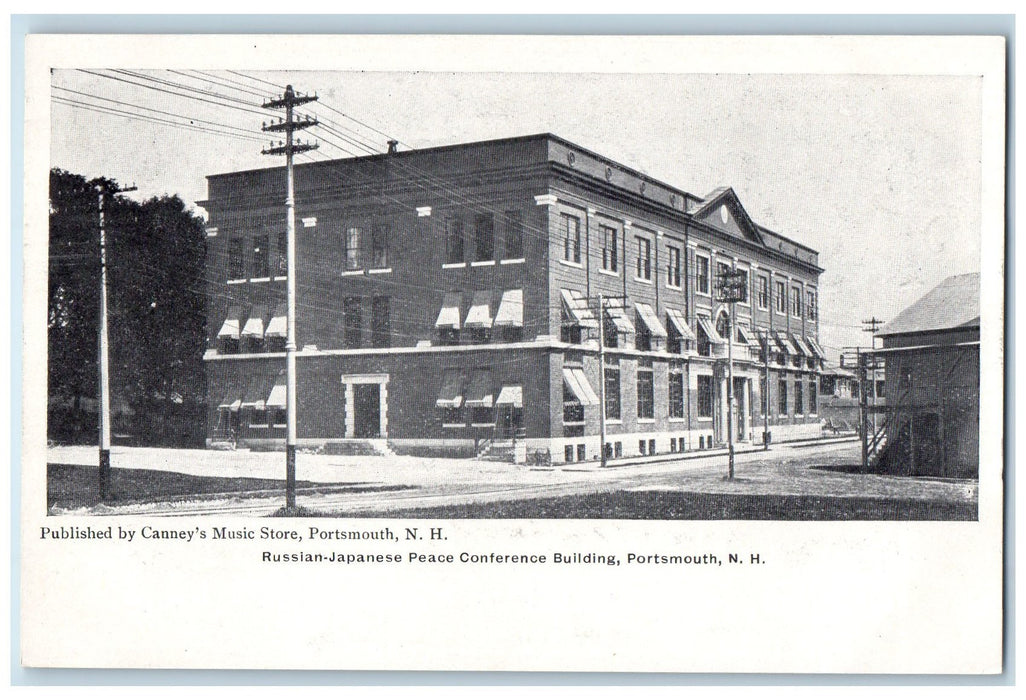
{"x":155,"y":259}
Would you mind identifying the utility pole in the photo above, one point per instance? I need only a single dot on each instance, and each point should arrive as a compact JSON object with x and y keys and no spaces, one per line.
{"x":871,"y":326}
{"x":765,"y":392}
{"x":289,"y":101}
{"x":602,"y":378}
{"x":732,"y":287}
{"x":103,"y":358}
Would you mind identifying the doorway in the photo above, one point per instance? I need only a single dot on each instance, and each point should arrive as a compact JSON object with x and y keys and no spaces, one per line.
{"x":366,"y":410}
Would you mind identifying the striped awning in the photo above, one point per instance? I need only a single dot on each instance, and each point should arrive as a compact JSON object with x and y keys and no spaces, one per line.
{"x":650,"y":319}
{"x":276,"y":399}
{"x":577,"y":308}
{"x":257,"y":392}
{"x":680,"y":324}
{"x":511,"y":395}
{"x":232,"y":395}
{"x":814,"y":346}
{"x":511,"y":309}
{"x":784,"y":344}
{"x":747,"y":337}
{"x":254,"y":327}
{"x":800,"y":344}
{"x":710,"y":332}
{"x":232,"y":323}
{"x":449,"y":316}
{"x":480,"y":313}
{"x":577,"y":383}
{"x":618,"y":317}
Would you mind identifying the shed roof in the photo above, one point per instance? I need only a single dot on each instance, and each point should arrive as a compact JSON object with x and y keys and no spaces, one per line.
{"x":954,"y":303}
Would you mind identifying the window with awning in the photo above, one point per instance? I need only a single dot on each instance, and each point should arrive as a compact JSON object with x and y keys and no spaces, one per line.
{"x":800,"y":344}
{"x":449,"y":316}
{"x":257,"y":392}
{"x":254,"y":327}
{"x":232,"y":326}
{"x":707,"y":328}
{"x":276,"y":399}
{"x":785,"y":344}
{"x":277,"y":327}
{"x":617,"y":315}
{"x":480,"y":393}
{"x":232,"y":400}
{"x":747,"y":337}
{"x":511,"y":395}
{"x":577,"y":309}
{"x":480,"y":314}
{"x":814,"y":346}
{"x":575,"y":380}
{"x":511,"y":309}
{"x":451,"y":394}
{"x":679,"y":324}
{"x":650,"y":320}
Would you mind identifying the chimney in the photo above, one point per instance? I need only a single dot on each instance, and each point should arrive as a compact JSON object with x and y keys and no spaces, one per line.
{"x":393,"y":146}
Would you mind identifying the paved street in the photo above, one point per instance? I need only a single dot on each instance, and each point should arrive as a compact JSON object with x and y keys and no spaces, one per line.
{"x":388,"y":484}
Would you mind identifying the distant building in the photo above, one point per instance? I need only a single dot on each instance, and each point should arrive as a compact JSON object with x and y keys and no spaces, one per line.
{"x":931,"y":354}
{"x":448,"y":303}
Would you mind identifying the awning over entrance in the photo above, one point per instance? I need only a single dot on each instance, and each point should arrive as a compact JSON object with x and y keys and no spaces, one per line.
{"x":618,"y":317}
{"x":511,"y":396}
{"x":784,"y":344}
{"x":257,"y":392}
{"x":232,"y":323}
{"x":651,"y":321}
{"x":511,"y":309}
{"x":480,"y":315}
{"x":577,"y":307}
{"x":232,"y":395}
{"x":449,"y":316}
{"x":451,"y":395}
{"x":480,"y":393}
{"x":814,"y":346}
{"x":277,"y":327}
{"x":276,"y":399}
{"x":577,"y":383}
{"x":710,"y":332}
{"x":680,"y":324}
{"x":255,"y":323}
{"x":800,"y":344}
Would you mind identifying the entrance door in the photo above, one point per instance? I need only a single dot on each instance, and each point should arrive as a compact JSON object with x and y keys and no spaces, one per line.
{"x":509,"y":420}
{"x":740,"y":409}
{"x":367,"y":410}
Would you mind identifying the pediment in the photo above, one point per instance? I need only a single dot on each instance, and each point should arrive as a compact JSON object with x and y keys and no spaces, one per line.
{"x":722,"y":210}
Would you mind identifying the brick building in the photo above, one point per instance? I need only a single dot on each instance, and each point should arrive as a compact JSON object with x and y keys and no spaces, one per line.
{"x":447,"y":303}
{"x":931,"y":355}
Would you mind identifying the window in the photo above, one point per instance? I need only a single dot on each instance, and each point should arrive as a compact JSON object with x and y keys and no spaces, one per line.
{"x":380,"y":333}
{"x":673,"y":267}
{"x":482,"y":415}
{"x":701,"y":274}
{"x":796,"y":302}
{"x":743,"y":274}
{"x":646,"y":394}
{"x":236,"y":270}
{"x":644,"y":270}
{"x":705,"y":396}
{"x":260,"y":259}
{"x":722,"y":271}
{"x":484,"y":237}
{"x":612,"y":377}
{"x":781,"y":291}
{"x":610,"y":248}
{"x":228,"y":346}
{"x":810,"y":305}
{"x":571,"y":227}
{"x":352,"y":321}
{"x":880,"y":386}
{"x":452,"y":416}
{"x":812,"y":398}
{"x":799,"y":402}
{"x":763,"y":398}
{"x":258,"y":418}
{"x":351,"y":244}
{"x":573,"y":411}
{"x":448,"y":336}
{"x":782,"y":397}
{"x":570,"y":332}
{"x":453,"y":240}
{"x":643,"y":337}
{"x":514,"y":235}
{"x":610,"y":336}
{"x":676,"y":392}
{"x":279,"y":417}
{"x":282,"y":268}
{"x":763,"y":295}
{"x":379,"y":246}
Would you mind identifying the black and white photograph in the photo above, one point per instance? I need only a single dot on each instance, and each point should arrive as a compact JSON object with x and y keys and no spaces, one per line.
{"x":345,"y":308}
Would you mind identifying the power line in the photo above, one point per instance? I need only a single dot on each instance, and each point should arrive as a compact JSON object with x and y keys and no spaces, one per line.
{"x":169,"y":92}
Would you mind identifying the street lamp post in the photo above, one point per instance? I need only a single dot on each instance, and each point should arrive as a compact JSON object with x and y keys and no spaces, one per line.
{"x":731,"y":289}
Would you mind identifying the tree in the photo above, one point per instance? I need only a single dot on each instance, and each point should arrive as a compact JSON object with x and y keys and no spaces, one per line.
{"x":155,"y":259}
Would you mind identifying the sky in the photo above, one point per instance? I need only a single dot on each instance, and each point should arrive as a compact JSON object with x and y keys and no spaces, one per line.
{"x":880,"y":174}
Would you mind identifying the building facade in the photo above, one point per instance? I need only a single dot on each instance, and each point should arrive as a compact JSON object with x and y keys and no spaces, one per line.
{"x":931,"y":354}
{"x":457,"y":300}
